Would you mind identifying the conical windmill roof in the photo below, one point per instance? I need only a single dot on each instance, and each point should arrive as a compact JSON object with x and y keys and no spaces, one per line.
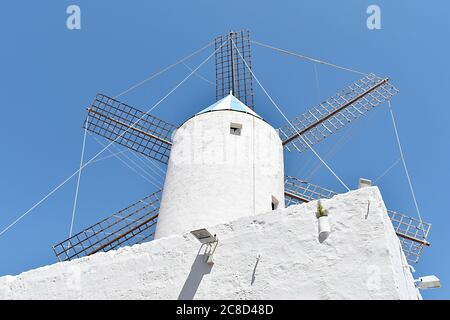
{"x":229,"y":102}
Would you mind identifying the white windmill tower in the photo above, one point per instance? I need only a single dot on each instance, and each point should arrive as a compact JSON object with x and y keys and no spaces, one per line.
{"x":225,"y":162}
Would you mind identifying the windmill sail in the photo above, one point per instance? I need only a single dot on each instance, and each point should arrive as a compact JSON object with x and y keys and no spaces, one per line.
{"x":132,"y":225}
{"x":297,"y":191}
{"x":336,"y":112}
{"x":130,"y":127}
{"x":232,"y":73}
{"x":411,"y":232}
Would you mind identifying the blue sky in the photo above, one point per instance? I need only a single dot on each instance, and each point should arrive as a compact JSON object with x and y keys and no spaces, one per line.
{"x":50,"y":74}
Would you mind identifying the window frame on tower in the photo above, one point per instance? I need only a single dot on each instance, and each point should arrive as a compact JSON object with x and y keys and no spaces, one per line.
{"x":235,"y":129}
{"x":275,"y":203}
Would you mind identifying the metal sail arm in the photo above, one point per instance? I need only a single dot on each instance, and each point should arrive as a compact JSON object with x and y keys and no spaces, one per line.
{"x":232,"y":73}
{"x":130,"y":127}
{"x":299,"y":191}
{"x":336,"y":112}
{"x":412,"y":233}
{"x":132,"y":225}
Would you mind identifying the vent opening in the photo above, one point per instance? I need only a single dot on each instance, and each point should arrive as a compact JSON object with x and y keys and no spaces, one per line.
{"x":275,"y":203}
{"x":235,"y":129}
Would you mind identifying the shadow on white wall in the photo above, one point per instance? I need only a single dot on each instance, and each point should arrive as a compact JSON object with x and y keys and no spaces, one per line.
{"x":198,"y":270}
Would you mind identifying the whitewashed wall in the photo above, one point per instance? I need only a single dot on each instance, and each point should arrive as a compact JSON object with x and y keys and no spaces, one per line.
{"x":214,"y":177}
{"x":361,"y":259}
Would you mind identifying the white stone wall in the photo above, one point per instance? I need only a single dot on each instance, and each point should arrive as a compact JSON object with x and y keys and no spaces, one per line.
{"x":361,"y":259}
{"x":215,"y":177}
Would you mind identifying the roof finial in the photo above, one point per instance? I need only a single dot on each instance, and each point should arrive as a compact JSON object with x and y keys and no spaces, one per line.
{"x":231,"y":91}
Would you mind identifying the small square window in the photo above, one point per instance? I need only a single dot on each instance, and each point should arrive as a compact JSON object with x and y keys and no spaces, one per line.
{"x":235,"y":128}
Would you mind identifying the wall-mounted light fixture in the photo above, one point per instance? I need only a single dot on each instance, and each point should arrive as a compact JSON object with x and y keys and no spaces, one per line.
{"x":211,"y":241}
{"x":428,"y":282}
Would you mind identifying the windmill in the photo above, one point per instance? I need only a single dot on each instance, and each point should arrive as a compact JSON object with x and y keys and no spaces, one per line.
{"x":246,"y":185}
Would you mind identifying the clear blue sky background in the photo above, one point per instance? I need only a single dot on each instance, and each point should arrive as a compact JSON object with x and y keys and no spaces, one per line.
{"x":49,"y":75}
